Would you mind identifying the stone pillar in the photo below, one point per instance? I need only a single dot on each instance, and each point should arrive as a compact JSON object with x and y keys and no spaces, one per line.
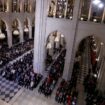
{"x":9,"y":36}
{"x":30,"y":32}
{"x":39,"y":39}
{"x":90,"y":10}
{"x":69,"y":60}
{"x":21,"y":31}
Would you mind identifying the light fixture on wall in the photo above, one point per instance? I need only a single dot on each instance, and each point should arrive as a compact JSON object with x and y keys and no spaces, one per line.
{"x":26,"y":29}
{"x":16,"y":32}
{"x":2,"y":35}
{"x":49,"y":46}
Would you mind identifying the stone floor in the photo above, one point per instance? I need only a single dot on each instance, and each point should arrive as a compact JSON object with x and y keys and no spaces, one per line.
{"x":27,"y":97}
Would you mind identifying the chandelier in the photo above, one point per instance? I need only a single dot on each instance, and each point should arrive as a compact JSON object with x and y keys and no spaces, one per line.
{"x":16,"y":32}
{"x":26,"y":29}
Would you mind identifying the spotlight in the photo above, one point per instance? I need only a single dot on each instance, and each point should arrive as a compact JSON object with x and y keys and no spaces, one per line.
{"x":101,"y":5}
{"x":96,"y":2}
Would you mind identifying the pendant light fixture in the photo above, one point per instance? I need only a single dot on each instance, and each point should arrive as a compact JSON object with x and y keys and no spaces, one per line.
{"x":16,"y":32}
{"x":26,"y":29}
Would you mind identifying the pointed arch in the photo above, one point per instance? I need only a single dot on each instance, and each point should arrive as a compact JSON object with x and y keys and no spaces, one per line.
{"x":3,"y":27}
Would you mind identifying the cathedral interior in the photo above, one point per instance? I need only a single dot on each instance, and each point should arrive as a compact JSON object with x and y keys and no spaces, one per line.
{"x":52,"y":52}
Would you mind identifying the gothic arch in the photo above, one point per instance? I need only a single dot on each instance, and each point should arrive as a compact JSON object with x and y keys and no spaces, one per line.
{"x":16,"y":31}
{"x":55,"y":44}
{"x":3,"y":24}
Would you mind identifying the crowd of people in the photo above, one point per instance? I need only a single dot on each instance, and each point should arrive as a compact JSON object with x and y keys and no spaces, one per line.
{"x":55,"y":72}
{"x":8,"y":54}
{"x":90,"y":82}
{"x":22,"y":72}
{"x":66,"y":92}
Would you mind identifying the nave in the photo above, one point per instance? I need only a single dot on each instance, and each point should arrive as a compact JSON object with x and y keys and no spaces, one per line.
{"x":51,"y":89}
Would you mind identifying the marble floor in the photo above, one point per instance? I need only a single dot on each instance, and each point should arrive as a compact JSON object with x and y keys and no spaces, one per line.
{"x":27,"y":97}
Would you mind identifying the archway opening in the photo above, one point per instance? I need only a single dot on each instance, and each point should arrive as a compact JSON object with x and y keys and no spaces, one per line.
{"x":54,"y":46}
{"x":26,"y":30}
{"x":15,"y":32}
{"x":3,"y":35}
{"x":89,"y":61}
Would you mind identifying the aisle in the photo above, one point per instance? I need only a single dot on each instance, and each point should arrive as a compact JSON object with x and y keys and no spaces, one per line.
{"x":84,"y":71}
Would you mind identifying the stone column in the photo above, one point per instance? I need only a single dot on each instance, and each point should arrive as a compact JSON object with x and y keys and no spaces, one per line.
{"x":69,"y":60}
{"x":90,"y":10}
{"x":30,"y":32}
{"x":39,"y":39}
{"x":9,"y":36}
{"x":21,"y":31}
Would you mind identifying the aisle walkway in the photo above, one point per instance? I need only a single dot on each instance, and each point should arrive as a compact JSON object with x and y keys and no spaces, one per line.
{"x":84,"y":71}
